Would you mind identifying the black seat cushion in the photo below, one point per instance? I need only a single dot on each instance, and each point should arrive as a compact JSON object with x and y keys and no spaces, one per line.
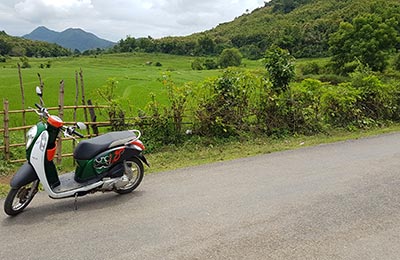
{"x":87,"y":149}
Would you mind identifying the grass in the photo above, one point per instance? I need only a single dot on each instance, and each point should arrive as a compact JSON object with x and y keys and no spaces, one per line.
{"x":192,"y":153}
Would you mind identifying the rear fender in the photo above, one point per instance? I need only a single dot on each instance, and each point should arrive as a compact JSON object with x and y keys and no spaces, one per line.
{"x":133,"y":152}
{"x":25,"y":175}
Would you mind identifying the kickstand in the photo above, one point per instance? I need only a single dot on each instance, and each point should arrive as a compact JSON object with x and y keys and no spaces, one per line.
{"x":76,"y":202}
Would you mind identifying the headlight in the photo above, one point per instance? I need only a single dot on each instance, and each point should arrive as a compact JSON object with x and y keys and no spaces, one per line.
{"x":30,"y":135}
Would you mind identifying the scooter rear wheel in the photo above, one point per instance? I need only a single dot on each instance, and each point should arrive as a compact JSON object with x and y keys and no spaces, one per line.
{"x":19,"y":198}
{"x":134,"y":171}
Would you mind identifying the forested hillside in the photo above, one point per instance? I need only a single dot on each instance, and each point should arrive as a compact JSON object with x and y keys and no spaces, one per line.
{"x":17,"y":46}
{"x":301,"y":26}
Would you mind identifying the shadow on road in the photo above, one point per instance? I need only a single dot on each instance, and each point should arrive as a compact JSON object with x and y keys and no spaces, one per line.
{"x":35,"y":213}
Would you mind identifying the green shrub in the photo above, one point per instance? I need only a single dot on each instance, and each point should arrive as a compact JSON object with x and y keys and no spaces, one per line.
{"x":230,"y":58}
{"x":223,"y":105}
{"x":25,"y":62}
{"x":197,"y":64}
{"x":339,"y":105}
{"x":307,"y":114}
{"x":396,"y":63}
{"x":311,"y":68}
{"x":210,"y":64}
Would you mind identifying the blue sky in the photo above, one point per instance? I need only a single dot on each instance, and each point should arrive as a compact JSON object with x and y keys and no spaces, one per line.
{"x":115,"y":19}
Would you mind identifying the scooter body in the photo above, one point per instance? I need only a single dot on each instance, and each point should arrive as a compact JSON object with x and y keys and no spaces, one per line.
{"x":111,"y":162}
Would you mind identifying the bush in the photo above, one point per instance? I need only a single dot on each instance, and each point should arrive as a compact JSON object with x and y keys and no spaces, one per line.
{"x":3,"y":59}
{"x":311,"y":68}
{"x":197,"y":64}
{"x":307,"y":106}
{"x":210,"y":64}
{"x":378,"y":100}
{"x":230,"y":58}
{"x":25,"y":63}
{"x":339,"y":105}
{"x":223,"y":105}
{"x":396,"y":64}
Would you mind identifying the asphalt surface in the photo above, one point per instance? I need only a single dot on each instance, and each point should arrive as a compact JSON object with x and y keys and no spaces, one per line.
{"x":336,"y":201}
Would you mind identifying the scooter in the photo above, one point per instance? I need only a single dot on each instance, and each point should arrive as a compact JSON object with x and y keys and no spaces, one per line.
{"x":110,"y":162}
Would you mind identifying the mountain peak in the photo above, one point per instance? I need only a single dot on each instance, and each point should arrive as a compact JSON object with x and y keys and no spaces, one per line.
{"x":71,"y":38}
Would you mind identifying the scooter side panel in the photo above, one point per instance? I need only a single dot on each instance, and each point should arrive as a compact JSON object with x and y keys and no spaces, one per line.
{"x":104,"y":164}
{"x":98,"y":166}
{"x":26,"y":174}
{"x":84,"y":170}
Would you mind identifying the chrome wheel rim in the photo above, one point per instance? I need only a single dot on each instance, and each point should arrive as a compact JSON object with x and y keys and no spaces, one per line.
{"x":132,"y":172}
{"x":24,"y":195}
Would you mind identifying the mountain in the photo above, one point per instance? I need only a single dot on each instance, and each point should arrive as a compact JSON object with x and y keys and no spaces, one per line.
{"x":70,"y":38}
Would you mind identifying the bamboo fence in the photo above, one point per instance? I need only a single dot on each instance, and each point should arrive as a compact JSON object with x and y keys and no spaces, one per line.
{"x":8,"y":144}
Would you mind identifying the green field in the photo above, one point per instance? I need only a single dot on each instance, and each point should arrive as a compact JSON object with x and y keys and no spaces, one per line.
{"x":136,"y":79}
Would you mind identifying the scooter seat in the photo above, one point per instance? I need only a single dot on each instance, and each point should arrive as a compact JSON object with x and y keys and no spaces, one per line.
{"x":88,"y":149}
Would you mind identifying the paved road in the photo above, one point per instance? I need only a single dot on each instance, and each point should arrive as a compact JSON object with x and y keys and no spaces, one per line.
{"x":337,"y":201}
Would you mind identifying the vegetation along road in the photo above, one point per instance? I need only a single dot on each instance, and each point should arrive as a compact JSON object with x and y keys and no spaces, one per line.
{"x":335,"y":201}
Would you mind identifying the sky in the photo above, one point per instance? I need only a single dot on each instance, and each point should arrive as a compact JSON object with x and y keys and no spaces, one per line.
{"x":116,"y":19}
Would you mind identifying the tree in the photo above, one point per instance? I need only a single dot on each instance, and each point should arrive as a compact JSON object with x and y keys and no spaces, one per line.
{"x":280,"y":66}
{"x":206,"y":45}
{"x":230,"y":58}
{"x":368,"y":39}
{"x":5,"y":47}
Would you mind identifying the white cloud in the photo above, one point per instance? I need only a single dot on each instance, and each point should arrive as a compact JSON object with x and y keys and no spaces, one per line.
{"x":39,"y":11}
{"x":115,"y":19}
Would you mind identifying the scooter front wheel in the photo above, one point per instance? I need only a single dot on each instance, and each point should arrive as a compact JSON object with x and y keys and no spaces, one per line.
{"x":19,"y":198}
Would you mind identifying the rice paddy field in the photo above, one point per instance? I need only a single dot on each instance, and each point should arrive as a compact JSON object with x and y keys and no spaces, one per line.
{"x":136,"y":73}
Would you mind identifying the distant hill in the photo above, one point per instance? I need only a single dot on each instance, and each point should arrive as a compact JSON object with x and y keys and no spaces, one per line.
{"x":301,"y":26}
{"x":70,"y":38}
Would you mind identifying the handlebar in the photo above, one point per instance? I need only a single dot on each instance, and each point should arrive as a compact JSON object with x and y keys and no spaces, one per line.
{"x":78,"y":134}
{"x":69,"y":131}
{"x":43,"y":113}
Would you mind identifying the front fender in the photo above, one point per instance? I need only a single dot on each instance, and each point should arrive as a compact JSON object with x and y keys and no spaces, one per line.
{"x":25,"y":175}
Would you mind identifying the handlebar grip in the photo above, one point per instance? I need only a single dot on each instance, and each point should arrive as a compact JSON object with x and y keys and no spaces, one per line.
{"x":79,"y":134}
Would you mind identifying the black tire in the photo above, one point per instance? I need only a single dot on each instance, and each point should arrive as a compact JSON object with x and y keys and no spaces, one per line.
{"x":19,"y":198}
{"x":136,"y":167}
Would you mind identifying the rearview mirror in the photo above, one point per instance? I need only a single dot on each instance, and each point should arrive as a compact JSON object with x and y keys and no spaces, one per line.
{"x":39,"y":91}
{"x":81,"y":125}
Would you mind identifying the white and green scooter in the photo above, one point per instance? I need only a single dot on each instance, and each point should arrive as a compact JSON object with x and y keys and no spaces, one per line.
{"x":110,"y":162}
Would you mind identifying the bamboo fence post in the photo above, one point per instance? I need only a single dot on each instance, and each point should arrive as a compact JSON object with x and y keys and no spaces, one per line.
{"x":61,"y":115}
{"x":76,"y":94}
{"x":23,"y":99}
{"x":83,"y":100}
{"x":76,"y":107}
{"x":41,"y":87}
{"x":93,"y":118}
{"x":6,"y":131}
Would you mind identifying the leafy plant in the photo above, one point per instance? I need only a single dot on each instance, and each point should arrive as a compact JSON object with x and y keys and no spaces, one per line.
{"x":230,"y":58}
{"x":280,"y":66}
{"x":115,"y":111}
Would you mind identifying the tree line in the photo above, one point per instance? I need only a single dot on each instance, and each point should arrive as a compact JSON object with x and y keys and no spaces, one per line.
{"x":18,"y":47}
